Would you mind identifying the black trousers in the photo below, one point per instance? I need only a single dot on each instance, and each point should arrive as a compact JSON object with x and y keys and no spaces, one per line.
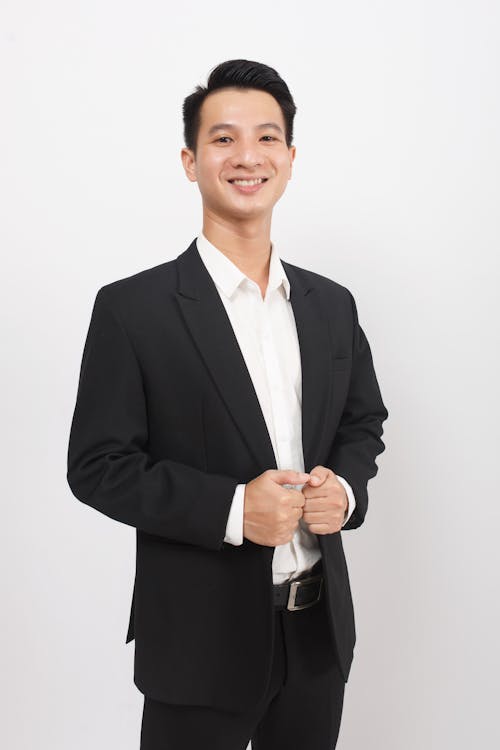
{"x":301,"y":709}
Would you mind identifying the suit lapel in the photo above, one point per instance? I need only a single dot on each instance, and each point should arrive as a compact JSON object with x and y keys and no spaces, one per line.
{"x":316,"y":362}
{"x":213,"y":335}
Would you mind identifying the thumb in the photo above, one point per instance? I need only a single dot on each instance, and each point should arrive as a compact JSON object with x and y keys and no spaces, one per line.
{"x":287,"y":476}
{"x":318,"y":475}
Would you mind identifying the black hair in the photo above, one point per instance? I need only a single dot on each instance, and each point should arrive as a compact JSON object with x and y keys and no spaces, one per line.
{"x":242,"y":74}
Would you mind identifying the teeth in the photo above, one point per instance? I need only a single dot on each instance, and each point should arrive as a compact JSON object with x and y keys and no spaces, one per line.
{"x":248,"y":182}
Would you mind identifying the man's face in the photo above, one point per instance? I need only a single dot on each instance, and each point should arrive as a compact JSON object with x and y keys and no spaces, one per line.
{"x":241,"y":138}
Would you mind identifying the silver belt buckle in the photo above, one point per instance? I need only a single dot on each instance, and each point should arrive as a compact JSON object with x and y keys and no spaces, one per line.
{"x":294,"y":586}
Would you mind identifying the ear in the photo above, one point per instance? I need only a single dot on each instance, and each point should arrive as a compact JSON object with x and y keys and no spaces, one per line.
{"x":189,"y":163}
{"x":291,"y":153}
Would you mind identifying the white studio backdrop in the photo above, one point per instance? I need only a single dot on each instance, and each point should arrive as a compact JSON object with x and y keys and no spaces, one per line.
{"x":395,"y":195}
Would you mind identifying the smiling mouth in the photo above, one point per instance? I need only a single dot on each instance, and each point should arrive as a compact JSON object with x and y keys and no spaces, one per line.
{"x":248,"y":183}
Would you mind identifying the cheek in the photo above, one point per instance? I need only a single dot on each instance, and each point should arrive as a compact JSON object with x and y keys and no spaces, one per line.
{"x":284,"y":175}
{"x":284,"y":169}
{"x":211,"y":170}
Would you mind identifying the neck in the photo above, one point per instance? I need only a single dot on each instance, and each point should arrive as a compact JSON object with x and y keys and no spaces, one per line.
{"x":246,"y":244}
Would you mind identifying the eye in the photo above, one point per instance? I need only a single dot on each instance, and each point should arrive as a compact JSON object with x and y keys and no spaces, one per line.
{"x":271,"y":137}
{"x":223,"y":139}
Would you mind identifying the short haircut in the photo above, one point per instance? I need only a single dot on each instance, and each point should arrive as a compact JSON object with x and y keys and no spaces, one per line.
{"x":241,"y":74}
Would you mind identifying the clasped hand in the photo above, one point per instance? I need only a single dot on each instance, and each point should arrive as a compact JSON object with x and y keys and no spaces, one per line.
{"x":273,"y":505}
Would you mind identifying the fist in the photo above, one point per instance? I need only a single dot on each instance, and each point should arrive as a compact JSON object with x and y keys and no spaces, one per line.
{"x":271,"y":510}
{"x":326,"y":502}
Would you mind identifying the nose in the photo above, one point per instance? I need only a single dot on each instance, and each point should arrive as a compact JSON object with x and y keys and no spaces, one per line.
{"x":248,"y":155}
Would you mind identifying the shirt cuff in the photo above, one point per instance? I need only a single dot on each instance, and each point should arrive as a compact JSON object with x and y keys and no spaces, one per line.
{"x":234,"y":526}
{"x":350,"y":498}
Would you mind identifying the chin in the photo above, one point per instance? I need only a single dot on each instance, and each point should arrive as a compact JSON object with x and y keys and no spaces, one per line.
{"x":245,"y":211}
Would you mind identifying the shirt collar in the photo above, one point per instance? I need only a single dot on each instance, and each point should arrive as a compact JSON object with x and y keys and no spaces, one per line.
{"x":227,"y":276}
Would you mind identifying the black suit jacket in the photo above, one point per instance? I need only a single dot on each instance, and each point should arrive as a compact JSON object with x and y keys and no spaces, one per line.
{"x":167,"y":423}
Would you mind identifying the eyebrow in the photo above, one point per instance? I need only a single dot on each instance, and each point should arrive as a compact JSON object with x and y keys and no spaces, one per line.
{"x":228,"y":126}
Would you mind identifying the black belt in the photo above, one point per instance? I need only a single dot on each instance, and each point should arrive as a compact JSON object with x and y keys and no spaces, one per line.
{"x":300,"y":593}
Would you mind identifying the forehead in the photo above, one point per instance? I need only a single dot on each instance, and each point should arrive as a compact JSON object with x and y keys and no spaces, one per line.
{"x":240,"y":107}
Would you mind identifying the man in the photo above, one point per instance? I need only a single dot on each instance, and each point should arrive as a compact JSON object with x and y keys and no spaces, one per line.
{"x":228,"y":409}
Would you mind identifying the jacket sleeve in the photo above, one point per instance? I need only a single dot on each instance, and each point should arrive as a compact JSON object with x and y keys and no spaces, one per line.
{"x":357,"y":440}
{"x":108,"y":466}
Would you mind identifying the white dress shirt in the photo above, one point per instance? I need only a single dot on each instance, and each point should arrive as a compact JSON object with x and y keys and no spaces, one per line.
{"x":267,"y":336}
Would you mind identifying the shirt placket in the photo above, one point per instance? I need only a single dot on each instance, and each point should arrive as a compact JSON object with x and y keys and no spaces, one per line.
{"x":282,"y":427}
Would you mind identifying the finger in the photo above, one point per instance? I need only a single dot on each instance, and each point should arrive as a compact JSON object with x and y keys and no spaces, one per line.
{"x":319,"y":528}
{"x":314,"y":517}
{"x":321,"y":491}
{"x":298,"y":499}
{"x":316,"y":505}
